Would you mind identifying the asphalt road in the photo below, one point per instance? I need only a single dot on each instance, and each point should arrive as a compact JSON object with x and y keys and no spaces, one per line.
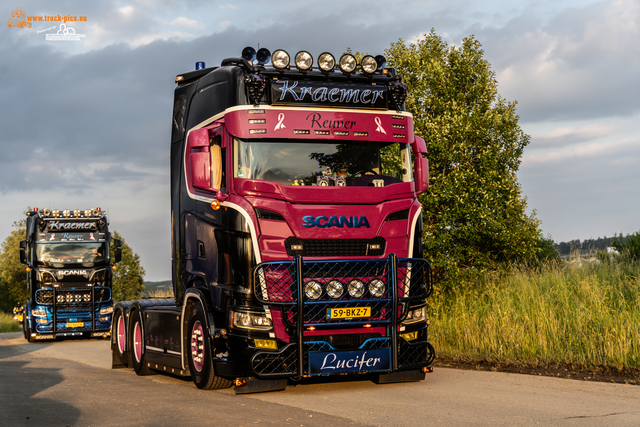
{"x":70,"y":383}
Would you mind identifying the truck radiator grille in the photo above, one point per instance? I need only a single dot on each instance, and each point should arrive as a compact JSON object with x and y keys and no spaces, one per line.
{"x":72,"y":298}
{"x":335,"y":247}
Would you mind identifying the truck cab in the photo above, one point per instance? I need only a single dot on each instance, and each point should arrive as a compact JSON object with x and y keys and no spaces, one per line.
{"x":296,"y":230}
{"x":69,"y":274}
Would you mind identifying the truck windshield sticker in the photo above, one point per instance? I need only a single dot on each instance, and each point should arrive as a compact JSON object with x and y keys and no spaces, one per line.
{"x":288,"y":92}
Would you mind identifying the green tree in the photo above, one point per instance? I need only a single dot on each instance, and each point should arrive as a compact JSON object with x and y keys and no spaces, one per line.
{"x":474,"y":213}
{"x":128,"y":278}
{"x":13,"y":276}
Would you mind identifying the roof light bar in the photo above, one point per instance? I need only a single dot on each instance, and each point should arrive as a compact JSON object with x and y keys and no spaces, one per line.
{"x":369,"y":64}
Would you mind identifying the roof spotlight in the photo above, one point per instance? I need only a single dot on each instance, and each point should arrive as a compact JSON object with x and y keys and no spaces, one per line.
{"x":280,"y":59}
{"x":87,"y":213}
{"x":303,"y":60}
{"x":249,"y":54}
{"x":347,"y":63}
{"x":76,"y":213}
{"x":369,"y":64}
{"x":66,"y":213}
{"x":326,"y":62}
{"x":263,"y":56}
{"x":382,"y":62}
{"x":55,"y":213}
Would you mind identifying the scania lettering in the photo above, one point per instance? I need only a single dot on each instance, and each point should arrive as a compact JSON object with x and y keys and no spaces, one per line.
{"x":296,"y":229}
{"x":68,"y":274}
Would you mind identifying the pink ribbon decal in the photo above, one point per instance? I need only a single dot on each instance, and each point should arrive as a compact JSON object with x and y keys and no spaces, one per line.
{"x":280,"y":124}
{"x":379,"y":128}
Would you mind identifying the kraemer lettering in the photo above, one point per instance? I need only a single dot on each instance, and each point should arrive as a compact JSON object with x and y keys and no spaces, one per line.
{"x":57,"y":225}
{"x":291,"y":92}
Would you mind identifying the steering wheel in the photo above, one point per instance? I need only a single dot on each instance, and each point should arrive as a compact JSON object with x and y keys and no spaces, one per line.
{"x":365,"y":172}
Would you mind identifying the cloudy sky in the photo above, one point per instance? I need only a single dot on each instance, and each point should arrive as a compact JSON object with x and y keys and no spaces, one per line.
{"x":86,"y":123}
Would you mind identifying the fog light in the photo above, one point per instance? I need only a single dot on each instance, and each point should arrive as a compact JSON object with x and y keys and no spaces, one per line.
{"x":347,"y":63}
{"x":369,"y":64}
{"x":270,"y":344}
{"x":280,"y":59}
{"x":326,"y":62}
{"x":334,"y":289}
{"x":313,"y":290}
{"x":303,"y":60}
{"x":377,"y":288}
{"x":410,"y":336}
{"x":355,"y":288}
{"x":42,"y":320}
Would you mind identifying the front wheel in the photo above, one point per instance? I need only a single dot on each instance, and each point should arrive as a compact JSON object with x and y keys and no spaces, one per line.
{"x":120,"y":337}
{"x":139,"y":359}
{"x":199,"y":351}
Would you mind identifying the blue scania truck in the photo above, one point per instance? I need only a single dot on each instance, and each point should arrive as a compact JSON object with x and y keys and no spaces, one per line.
{"x":69,"y":274}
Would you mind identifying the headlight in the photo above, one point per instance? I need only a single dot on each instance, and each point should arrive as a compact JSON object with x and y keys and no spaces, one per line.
{"x":417,"y":315}
{"x":313,"y":290}
{"x":326,"y":62}
{"x":38,"y":312}
{"x":377,"y":288}
{"x":369,"y":64}
{"x":334,"y":289}
{"x":106,"y":310}
{"x":355,"y":288}
{"x":348,"y":63}
{"x":303,"y":60}
{"x":249,"y":320}
{"x":280,"y":59}
{"x":42,"y":321}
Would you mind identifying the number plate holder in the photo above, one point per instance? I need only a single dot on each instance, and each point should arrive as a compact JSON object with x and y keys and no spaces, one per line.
{"x":75,"y":325}
{"x":348,"y":312}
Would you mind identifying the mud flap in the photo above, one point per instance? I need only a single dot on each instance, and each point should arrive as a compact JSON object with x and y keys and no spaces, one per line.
{"x":401,"y":377}
{"x":254,"y":385}
{"x":116,"y":363}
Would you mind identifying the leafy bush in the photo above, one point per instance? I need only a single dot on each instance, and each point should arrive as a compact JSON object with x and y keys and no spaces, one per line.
{"x":629,"y":247}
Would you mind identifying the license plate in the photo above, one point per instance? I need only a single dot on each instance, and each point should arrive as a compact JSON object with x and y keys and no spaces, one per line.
{"x":75,"y":325}
{"x":348,"y":312}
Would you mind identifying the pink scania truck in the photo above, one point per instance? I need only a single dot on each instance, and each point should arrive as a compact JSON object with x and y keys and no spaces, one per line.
{"x":295,"y":226}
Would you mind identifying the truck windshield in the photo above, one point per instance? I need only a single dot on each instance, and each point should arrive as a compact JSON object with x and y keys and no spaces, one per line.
{"x":321,"y":163}
{"x":72,"y":252}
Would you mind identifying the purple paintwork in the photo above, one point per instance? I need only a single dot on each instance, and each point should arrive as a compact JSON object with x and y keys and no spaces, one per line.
{"x":197,"y":346}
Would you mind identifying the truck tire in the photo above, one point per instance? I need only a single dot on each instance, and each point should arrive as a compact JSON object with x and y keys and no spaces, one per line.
{"x":138,"y":358}
{"x":199,"y":353}
{"x":120,"y":337}
{"x":26,"y":331}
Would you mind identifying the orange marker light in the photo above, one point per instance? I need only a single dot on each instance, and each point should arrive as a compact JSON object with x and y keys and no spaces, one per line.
{"x":215,"y":205}
{"x":113,"y":267}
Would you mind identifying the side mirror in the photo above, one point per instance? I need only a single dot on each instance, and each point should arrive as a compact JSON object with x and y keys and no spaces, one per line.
{"x":421,"y":168}
{"x":23,"y":251}
{"x":204,"y":160}
{"x":117,"y":252}
{"x":421,"y":165}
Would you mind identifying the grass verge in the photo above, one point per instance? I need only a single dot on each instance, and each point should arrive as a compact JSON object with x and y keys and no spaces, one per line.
{"x":8,"y":323}
{"x":569,"y":317}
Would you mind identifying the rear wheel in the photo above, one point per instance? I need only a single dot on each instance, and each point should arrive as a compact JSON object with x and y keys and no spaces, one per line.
{"x":137,"y":346}
{"x":199,"y":352}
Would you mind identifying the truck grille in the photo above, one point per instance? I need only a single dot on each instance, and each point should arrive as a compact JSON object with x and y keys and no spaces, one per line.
{"x":335,"y":247}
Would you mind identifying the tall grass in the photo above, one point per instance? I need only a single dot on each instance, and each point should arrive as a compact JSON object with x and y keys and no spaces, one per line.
{"x":584,"y":315}
{"x":8,"y":323}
